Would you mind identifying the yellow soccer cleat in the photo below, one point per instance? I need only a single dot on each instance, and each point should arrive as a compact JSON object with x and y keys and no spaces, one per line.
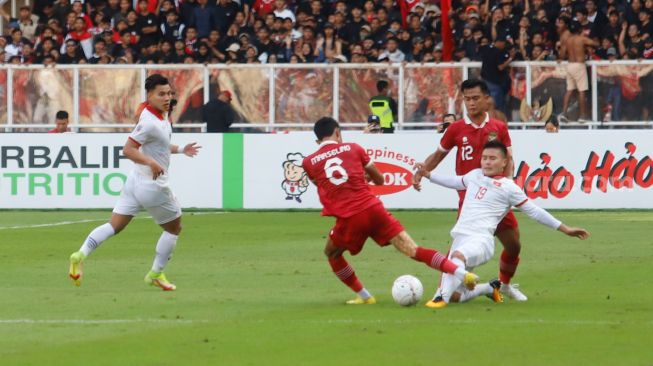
{"x":437,"y":303}
{"x":470,"y":281}
{"x":75,"y":271}
{"x":159,"y":280}
{"x":360,"y":301}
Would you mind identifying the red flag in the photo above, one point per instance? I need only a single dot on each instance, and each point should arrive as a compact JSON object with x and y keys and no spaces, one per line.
{"x":404,"y":12}
{"x":406,"y":6}
{"x":447,"y":36}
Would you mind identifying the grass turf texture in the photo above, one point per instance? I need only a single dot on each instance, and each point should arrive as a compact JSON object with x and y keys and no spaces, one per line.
{"x":254,"y":288}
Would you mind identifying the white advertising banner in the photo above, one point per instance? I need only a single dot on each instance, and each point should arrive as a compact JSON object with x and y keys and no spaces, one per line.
{"x":571,"y":169}
{"x":89,"y":170}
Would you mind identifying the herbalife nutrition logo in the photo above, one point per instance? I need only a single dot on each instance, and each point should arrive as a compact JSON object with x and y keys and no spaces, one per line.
{"x":61,"y":170}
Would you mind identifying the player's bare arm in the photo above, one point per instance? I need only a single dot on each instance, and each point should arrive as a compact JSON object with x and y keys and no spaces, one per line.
{"x":132,"y":152}
{"x":189,"y":150}
{"x":375,"y":175}
{"x":577,"y":232}
{"x":423,"y":169}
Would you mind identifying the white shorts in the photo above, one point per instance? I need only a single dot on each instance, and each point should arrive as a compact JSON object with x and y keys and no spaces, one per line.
{"x":477,"y":249}
{"x":142,"y":192}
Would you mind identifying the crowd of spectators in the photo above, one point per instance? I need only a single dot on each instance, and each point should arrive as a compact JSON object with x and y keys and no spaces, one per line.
{"x":314,"y":31}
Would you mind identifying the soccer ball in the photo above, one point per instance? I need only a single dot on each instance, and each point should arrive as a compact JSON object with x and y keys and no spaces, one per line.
{"x":407,"y":290}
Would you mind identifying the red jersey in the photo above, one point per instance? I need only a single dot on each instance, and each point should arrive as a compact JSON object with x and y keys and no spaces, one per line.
{"x":470,"y":139}
{"x":263,"y":7}
{"x":338,"y":170}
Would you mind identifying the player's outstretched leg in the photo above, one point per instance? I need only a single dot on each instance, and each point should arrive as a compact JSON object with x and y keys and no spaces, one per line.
{"x":432,"y":258}
{"x":490,"y":289}
{"x":92,"y":242}
{"x":449,"y":283}
{"x":347,"y":275}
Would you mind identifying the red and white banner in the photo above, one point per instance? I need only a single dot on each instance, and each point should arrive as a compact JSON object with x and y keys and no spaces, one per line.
{"x":571,"y":169}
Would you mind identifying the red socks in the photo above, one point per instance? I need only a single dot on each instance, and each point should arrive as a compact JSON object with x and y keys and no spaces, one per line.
{"x":507,"y":267}
{"x":435,"y":260}
{"x":345,"y":273}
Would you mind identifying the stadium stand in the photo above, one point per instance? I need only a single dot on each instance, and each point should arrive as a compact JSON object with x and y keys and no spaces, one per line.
{"x":312,"y":31}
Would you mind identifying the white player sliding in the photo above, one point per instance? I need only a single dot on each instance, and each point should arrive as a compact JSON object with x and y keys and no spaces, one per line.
{"x":489,"y":197}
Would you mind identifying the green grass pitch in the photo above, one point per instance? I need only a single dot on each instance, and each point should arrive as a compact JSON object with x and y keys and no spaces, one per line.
{"x":255,"y":289}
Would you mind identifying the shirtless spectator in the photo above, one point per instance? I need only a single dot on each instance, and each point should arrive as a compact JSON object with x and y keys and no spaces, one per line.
{"x":573,"y":50}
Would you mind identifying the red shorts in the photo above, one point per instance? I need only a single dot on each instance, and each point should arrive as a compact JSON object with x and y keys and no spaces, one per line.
{"x":376,"y":222}
{"x":509,"y":221}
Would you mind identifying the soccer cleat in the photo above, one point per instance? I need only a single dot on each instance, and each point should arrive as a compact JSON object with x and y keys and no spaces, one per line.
{"x":159,"y":280}
{"x":360,"y":301}
{"x":75,"y":270}
{"x":513,"y":292}
{"x":496,"y":293}
{"x":470,"y":280}
{"x":437,"y":303}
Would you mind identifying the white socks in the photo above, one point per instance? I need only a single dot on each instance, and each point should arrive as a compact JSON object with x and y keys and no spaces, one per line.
{"x":450,"y":283}
{"x":164,"y":248}
{"x":479,"y":290}
{"x":364,"y":294}
{"x":96,"y":237}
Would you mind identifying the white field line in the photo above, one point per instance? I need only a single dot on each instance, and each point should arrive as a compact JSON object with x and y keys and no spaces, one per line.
{"x":97,"y":321}
{"x":62,"y":223}
{"x":500,"y":322}
{"x":481,"y":321}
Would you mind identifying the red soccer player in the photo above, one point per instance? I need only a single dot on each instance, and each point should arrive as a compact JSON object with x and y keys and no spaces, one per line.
{"x":339,"y":171}
{"x":469,"y":135}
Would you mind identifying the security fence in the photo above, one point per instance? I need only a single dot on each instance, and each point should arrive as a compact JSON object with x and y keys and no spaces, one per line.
{"x":270,"y":97}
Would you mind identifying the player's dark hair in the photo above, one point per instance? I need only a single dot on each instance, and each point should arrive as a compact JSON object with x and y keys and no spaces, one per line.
{"x":61,"y":115}
{"x":324,"y":127}
{"x":475,"y":83}
{"x":153,"y":80}
{"x":382,"y":85}
{"x":495,"y":144}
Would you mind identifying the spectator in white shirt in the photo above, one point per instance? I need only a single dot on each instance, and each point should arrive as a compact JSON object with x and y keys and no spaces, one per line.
{"x":281,"y":10}
{"x":392,"y":52}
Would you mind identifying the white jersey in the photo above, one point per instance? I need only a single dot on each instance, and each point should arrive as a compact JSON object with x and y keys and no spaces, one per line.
{"x":153,"y":133}
{"x":486,"y":202}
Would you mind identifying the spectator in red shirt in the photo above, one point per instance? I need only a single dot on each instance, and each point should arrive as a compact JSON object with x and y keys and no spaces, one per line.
{"x":82,"y":36}
{"x":78,"y":9}
{"x":263,"y":7}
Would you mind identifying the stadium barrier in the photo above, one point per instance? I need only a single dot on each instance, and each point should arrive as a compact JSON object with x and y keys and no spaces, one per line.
{"x":88,"y":170}
{"x":289,"y":96}
{"x":571,"y":170}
